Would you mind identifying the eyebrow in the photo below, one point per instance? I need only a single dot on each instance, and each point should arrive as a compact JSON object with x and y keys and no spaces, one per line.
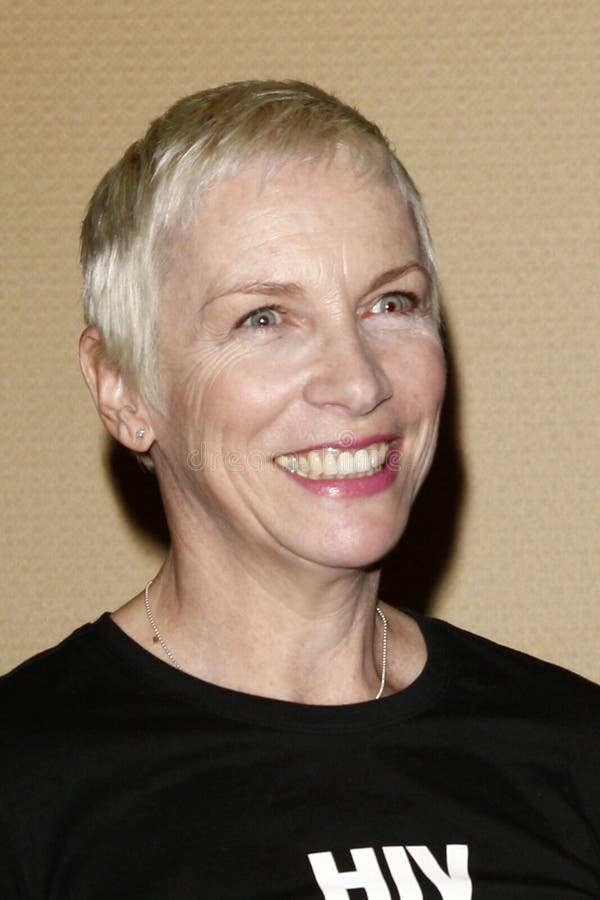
{"x":397,"y":272}
{"x":265,"y":289}
{"x":293,"y":289}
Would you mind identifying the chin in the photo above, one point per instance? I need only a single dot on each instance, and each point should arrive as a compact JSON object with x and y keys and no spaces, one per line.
{"x":357,"y":548}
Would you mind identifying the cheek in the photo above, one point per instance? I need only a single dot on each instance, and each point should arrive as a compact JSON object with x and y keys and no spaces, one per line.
{"x":434,"y":376}
{"x":237,"y":396}
{"x":209,"y":386}
{"x":428,"y":382}
{"x":420,"y":377}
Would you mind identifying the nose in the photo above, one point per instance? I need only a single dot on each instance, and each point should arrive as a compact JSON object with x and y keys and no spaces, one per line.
{"x":346,"y":372}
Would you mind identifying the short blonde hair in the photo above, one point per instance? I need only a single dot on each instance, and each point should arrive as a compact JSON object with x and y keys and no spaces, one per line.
{"x":153,"y":189}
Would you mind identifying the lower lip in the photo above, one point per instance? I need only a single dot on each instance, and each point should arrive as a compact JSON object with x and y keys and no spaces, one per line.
{"x":348,"y":487}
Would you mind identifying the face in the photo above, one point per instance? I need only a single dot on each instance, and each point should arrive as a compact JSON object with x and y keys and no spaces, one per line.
{"x":301,"y":372}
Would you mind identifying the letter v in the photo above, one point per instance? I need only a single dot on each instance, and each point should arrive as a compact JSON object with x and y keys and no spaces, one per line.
{"x":456,"y":883}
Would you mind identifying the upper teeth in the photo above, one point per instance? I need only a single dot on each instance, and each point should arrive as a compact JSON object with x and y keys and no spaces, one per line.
{"x":330,"y":463}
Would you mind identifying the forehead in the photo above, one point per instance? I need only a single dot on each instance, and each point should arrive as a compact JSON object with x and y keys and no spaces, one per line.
{"x":309,"y":218}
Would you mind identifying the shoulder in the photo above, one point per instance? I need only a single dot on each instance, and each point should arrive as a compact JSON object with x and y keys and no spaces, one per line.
{"x":484,"y":669}
{"x":54,"y":676}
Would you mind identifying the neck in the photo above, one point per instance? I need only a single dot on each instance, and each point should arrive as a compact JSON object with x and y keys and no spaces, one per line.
{"x":302,"y":634}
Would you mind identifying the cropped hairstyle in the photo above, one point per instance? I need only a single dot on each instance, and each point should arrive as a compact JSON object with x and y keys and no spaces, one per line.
{"x":153,"y":190}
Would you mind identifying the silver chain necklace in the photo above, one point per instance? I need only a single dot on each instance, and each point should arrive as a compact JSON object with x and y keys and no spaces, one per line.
{"x":158,"y":639}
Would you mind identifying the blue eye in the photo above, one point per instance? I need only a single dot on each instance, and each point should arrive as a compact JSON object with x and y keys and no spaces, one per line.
{"x":261,"y":318}
{"x":395,"y":302}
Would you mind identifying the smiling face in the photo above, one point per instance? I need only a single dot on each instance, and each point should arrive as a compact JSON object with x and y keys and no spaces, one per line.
{"x":301,"y":374}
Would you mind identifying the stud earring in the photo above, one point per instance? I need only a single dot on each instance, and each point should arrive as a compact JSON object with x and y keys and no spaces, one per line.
{"x":140,"y":433}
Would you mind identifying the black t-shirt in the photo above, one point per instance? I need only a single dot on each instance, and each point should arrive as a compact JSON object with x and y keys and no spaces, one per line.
{"x":122,"y":777}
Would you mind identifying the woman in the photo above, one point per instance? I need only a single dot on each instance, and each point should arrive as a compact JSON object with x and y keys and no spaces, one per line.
{"x":262,"y":308}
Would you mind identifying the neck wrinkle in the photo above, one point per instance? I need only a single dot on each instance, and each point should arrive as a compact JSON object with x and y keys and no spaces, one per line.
{"x":272,"y":638}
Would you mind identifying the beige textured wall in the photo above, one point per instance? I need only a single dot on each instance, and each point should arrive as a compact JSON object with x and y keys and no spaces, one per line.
{"x":494,"y":108}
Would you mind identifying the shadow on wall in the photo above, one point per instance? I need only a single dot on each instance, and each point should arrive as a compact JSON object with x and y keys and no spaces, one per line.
{"x":412,"y":571}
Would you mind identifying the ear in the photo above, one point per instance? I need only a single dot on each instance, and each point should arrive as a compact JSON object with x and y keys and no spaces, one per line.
{"x":122,"y":410}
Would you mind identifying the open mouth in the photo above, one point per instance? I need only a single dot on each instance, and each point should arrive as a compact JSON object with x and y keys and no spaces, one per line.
{"x":327,"y":462}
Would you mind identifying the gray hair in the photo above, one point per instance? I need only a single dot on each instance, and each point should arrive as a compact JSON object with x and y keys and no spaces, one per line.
{"x":153,"y":190}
